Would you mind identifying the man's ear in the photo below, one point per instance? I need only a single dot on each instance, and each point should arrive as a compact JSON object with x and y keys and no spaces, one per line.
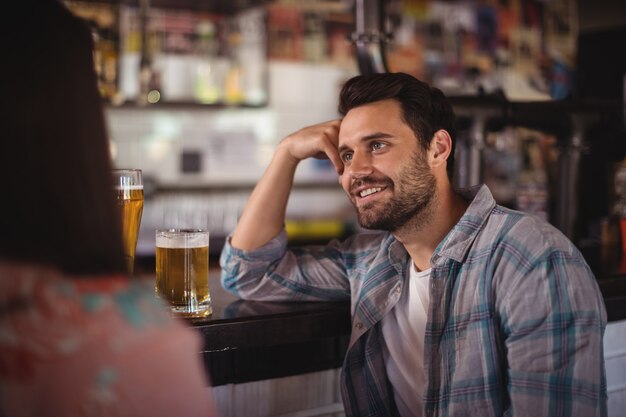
{"x":440,"y":148}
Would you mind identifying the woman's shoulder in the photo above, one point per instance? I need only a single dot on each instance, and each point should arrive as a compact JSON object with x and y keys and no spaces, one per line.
{"x":39,"y":289}
{"x":106,"y":336}
{"x":44,"y":310}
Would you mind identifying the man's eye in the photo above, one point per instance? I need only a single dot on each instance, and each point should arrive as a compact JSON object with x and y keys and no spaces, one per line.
{"x":347,"y":157}
{"x":377,"y":145}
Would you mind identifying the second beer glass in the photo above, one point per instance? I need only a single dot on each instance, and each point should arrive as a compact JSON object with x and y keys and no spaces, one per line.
{"x":129,"y":194}
{"x":182,"y":270}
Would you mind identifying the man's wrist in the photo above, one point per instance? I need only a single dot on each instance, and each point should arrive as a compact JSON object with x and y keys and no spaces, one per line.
{"x":283,"y":153}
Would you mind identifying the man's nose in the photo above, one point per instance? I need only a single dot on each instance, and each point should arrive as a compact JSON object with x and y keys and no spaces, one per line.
{"x":360,"y":166}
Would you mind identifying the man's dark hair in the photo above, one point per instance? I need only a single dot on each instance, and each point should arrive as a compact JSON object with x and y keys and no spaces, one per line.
{"x":58,"y":207}
{"x":424,"y":108}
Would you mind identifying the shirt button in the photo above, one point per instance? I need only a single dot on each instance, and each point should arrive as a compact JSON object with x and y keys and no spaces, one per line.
{"x":358,"y":325}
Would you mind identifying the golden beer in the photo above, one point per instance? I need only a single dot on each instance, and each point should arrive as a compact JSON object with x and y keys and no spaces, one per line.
{"x":128,"y":186}
{"x":182,"y":270}
{"x":130,"y":205}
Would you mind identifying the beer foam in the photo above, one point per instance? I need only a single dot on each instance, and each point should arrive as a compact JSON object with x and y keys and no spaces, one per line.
{"x":129,"y":187}
{"x":182,"y":241}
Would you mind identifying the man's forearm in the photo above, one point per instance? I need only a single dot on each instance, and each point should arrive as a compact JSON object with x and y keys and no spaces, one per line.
{"x":264,"y":215}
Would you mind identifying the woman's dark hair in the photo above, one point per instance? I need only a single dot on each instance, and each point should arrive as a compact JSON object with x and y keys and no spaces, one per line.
{"x":424,"y":108}
{"x":58,"y":207}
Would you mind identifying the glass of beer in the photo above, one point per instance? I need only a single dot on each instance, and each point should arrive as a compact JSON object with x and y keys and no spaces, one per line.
{"x":129,"y":193}
{"x":182,"y":271}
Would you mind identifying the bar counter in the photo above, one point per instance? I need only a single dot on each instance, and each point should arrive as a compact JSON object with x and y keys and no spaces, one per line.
{"x":250,"y":340}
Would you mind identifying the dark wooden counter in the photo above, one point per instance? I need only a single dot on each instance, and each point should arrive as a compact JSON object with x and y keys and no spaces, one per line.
{"x":250,"y":340}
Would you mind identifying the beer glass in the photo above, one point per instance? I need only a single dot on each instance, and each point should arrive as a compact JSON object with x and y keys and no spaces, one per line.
{"x":129,"y":194}
{"x":182,"y":271}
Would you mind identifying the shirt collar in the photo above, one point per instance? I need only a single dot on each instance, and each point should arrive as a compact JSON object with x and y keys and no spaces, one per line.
{"x":457,"y":242}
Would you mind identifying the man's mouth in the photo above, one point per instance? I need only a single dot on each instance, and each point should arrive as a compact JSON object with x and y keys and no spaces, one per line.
{"x":369,"y":191}
{"x":364,"y":191}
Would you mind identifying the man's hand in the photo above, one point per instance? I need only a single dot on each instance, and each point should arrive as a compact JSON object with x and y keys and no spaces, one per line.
{"x":318,"y":141}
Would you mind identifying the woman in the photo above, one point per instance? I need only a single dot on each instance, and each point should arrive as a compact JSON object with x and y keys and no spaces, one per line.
{"x":77,"y":337}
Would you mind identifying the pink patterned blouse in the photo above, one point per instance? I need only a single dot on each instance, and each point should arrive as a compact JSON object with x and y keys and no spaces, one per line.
{"x":101,"y":346}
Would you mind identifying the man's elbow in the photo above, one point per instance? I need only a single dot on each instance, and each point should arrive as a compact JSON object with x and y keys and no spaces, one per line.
{"x":242,"y":286}
{"x":230,"y":282}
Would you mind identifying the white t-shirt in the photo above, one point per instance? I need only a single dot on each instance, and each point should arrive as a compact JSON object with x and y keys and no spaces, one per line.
{"x":403,"y":347}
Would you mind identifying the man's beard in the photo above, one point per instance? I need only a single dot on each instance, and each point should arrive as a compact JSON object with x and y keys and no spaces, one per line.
{"x":413,"y":195}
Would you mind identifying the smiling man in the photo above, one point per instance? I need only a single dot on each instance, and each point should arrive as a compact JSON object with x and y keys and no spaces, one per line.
{"x":460,"y":307}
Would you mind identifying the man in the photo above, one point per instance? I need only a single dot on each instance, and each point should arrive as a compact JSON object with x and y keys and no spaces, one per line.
{"x":460,"y":307}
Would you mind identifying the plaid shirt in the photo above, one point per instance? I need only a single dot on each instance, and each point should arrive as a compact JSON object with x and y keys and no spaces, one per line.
{"x":515,"y":324}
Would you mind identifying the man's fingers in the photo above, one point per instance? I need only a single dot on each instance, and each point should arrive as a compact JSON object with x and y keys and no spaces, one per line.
{"x":332,"y":143}
{"x":332,"y":154}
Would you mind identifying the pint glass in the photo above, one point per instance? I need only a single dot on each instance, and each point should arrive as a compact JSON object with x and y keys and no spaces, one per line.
{"x":182,"y":271}
{"x":129,"y":193}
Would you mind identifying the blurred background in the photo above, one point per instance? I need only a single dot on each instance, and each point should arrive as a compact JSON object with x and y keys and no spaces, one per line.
{"x":199,"y":92}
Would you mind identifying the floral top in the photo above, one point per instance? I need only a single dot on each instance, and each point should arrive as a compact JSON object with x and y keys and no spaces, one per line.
{"x":94,"y":346}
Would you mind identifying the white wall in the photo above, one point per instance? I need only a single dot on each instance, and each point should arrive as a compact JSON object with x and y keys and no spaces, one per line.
{"x":615,"y":360}
{"x":236,"y":143}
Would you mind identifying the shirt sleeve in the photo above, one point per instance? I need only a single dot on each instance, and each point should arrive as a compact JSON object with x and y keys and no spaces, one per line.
{"x":553,"y":319}
{"x":274,"y":272}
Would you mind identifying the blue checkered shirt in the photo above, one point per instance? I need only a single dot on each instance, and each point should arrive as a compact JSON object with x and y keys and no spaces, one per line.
{"x":515,"y":324}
